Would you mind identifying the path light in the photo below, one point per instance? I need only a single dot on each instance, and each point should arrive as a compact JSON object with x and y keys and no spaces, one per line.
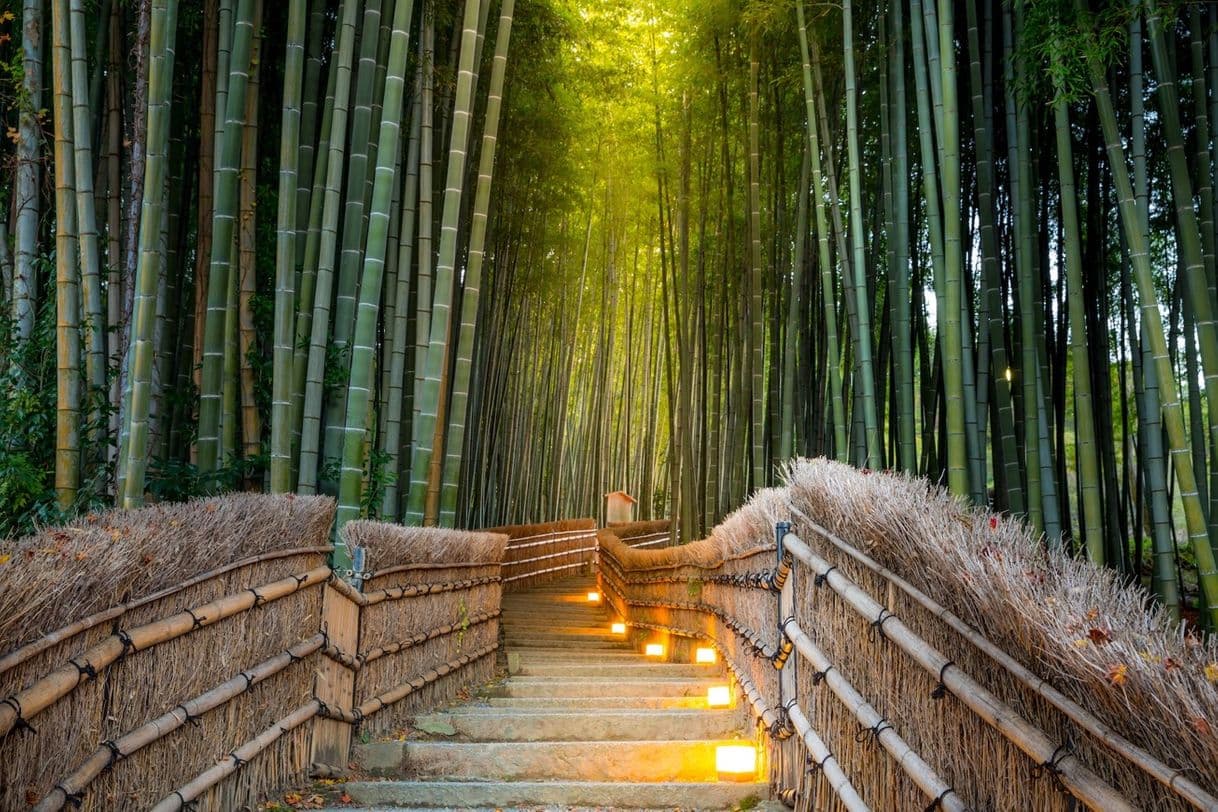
{"x":654,"y":650}
{"x":705,"y":656}
{"x":719,"y":696}
{"x":594,"y":597}
{"x":736,"y":762}
{"x":618,"y":628}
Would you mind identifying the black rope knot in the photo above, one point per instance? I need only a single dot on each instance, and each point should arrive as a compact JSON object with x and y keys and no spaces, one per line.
{"x":874,"y":731}
{"x":21,"y":725}
{"x":249,"y":680}
{"x":300,"y":580}
{"x":823,"y":577}
{"x":192,"y":718}
{"x":941,"y":689}
{"x":259,"y":599}
{"x":815,"y":766}
{"x":197,"y":621}
{"x":86,"y":671}
{"x":72,"y":799}
{"x":1052,"y":767}
{"x":128,"y":643}
{"x":877,"y":625}
{"x":115,"y":754}
{"x":937,"y":803}
{"x":293,"y":657}
{"x":238,"y":762}
{"x":818,"y":676}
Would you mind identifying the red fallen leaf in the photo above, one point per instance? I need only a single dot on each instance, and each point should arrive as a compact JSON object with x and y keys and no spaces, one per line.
{"x":993,"y":522}
{"x":1099,"y":636}
{"x":345,"y":798}
{"x":1170,"y":665}
{"x":1202,"y":726}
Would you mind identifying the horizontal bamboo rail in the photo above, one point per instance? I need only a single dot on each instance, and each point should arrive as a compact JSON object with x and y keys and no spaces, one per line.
{"x":404,"y":690}
{"x":355,"y":662}
{"x":71,"y":788}
{"x":1067,"y":767}
{"x":24,"y":705}
{"x":17,"y":656}
{"x":1161,"y":772}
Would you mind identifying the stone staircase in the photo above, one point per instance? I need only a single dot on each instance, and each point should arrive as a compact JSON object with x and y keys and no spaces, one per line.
{"x":583,"y":720}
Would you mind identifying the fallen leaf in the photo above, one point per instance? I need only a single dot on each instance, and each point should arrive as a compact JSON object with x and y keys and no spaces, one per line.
{"x":1201,"y":726}
{"x":1099,"y":636}
{"x":1118,"y":674}
{"x":5,"y":558}
{"x":1082,"y":642}
{"x":1211,"y":672}
{"x":1170,"y":665}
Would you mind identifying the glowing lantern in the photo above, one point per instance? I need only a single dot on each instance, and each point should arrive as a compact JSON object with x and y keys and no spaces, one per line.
{"x":736,"y":762}
{"x":719,"y":696}
{"x":654,"y":650}
{"x":618,"y":628}
{"x":594,"y":597}
{"x":704,"y":655}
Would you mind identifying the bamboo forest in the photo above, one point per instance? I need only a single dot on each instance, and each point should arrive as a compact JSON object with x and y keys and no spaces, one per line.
{"x":473,"y":262}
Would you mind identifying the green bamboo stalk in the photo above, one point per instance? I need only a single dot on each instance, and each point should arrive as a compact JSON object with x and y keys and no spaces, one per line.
{"x":756,"y":315}
{"x":67,"y":270}
{"x":422,"y":477}
{"x":363,"y":348}
{"x":285,"y":247}
{"x":29,"y":166}
{"x":152,"y":214}
{"x":319,"y":322}
{"x":473,"y":272}
{"x":223,"y":223}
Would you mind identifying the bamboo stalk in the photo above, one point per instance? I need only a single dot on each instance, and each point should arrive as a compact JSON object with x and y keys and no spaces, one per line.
{"x":24,"y":705}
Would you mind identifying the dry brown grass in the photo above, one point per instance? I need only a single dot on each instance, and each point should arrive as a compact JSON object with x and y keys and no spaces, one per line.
{"x":392,"y":545}
{"x":516,"y":531}
{"x":63,"y":574}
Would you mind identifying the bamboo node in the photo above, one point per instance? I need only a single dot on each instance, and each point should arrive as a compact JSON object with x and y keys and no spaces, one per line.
{"x":1051,"y":766}
{"x":937,"y":803}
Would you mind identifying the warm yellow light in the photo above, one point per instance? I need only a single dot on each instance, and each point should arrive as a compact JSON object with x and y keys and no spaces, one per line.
{"x":594,"y":597}
{"x":719,"y":696}
{"x":736,"y":762}
{"x":1008,"y":374}
{"x":704,"y":655}
{"x":654,"y":650}
{"x":618,"y":628}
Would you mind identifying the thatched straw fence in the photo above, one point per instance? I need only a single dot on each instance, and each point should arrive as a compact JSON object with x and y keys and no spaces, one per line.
{"x":205,"y":654}
{"x":906,"y":651}
{"x":655,"y":533}
{"x":537,"y":553}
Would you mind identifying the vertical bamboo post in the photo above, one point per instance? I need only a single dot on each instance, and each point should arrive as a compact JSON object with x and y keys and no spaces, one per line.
{"x":335,"y":683}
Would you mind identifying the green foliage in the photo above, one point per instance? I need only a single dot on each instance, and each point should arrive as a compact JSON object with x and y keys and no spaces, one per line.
{"x":380,"y":476}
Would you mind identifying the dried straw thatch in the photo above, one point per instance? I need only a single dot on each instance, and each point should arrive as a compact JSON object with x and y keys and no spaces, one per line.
{"x":392,"y":545}
{"x":1099,"y":642}
{"x":537,"y":553}
{"x":62,"y":574}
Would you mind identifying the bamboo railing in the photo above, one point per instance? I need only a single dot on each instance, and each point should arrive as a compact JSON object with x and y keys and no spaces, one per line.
{"x":240,"y":681}
{"x":871,"y":695}
{"x":537,"y":553}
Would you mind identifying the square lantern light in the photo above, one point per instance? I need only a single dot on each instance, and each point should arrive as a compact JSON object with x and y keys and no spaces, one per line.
{"x":705,"y":656}
{"x":618,"y":628}
{"x":736,"y":762}
{"x":654,"y":650}
{"x":719,"y":696}
{"x":594,"y":597}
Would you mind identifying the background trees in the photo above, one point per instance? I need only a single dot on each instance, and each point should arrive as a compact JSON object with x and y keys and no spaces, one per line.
{"x":476,"y":262}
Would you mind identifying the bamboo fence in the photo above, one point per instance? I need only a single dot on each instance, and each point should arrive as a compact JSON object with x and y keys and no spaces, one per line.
{"x":875,"y":695}
{"x":205,"y":655}
{"x":537,"y":553}
{"x":655,"y":533}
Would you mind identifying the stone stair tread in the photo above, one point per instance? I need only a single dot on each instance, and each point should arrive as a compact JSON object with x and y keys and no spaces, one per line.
{"x":564,"y":795}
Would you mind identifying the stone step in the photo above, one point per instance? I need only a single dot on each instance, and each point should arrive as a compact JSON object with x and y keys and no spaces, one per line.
{"x":596,"y":702}
{"x":565,"y":795}
{"x":549,"y":641}
{"x":536,"y":668}
{"x":623,"y":686}
{"x":537,"y":725}
{"x":574,"y":632}
{"x":576,"y":654}
{"x":646,"y":761}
